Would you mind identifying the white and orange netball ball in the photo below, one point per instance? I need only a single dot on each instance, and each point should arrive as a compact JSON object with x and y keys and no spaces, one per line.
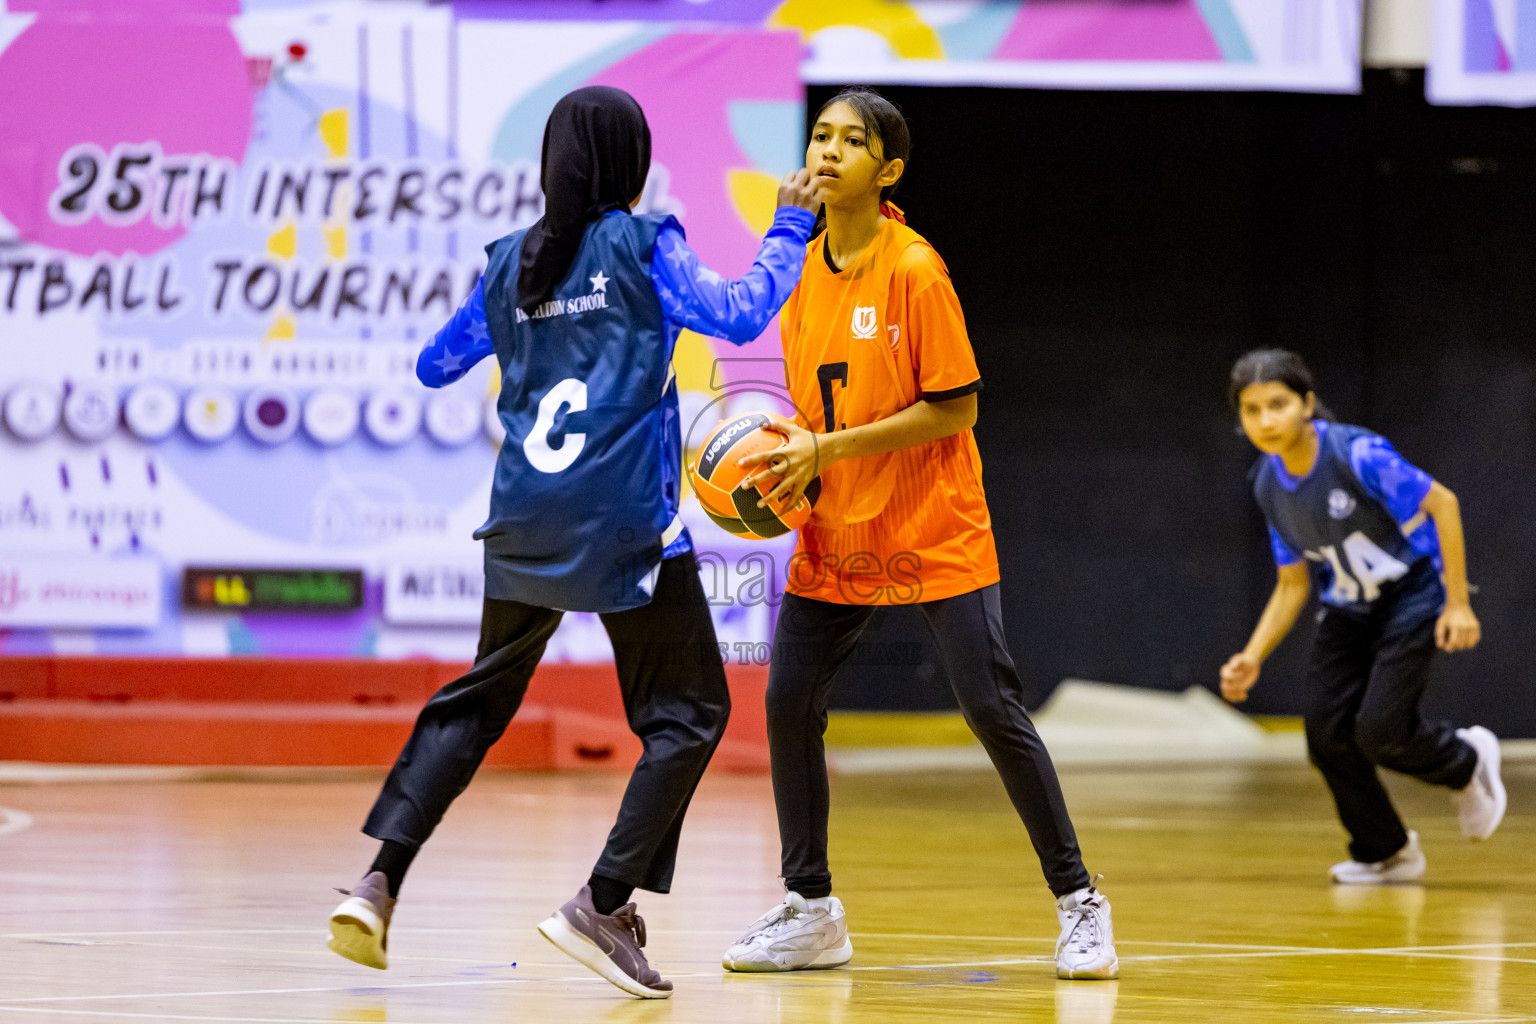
{"x":716,"y":479}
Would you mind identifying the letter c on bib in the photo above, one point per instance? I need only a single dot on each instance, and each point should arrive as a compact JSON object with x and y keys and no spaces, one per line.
{"x":545,"y":459}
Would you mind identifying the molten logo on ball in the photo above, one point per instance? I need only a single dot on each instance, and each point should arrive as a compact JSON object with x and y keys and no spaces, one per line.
{"x":717,"y":478}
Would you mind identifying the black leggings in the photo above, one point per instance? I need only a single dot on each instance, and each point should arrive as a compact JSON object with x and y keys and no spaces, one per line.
{"x":675,"y":698}
{"x":1363,"y":690}
{"x":814,"y":638}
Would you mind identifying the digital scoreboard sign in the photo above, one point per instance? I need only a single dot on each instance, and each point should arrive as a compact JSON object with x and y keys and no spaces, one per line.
{"x":271,"y":590}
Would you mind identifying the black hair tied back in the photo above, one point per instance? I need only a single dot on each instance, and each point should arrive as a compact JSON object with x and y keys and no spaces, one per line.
{"x":1274,"y":366}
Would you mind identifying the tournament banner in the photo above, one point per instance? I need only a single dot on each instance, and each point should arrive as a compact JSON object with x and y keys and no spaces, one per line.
{"x":1290,"y":45}
{"x":226,"y":230}
{"x":1484,"y":52}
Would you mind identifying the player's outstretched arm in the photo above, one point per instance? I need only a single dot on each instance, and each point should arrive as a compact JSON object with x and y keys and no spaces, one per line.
{"x":1457,"y":628}
{"x":695,"y":297}
{"x":1290,"y":595}
{"x":463,"y":341}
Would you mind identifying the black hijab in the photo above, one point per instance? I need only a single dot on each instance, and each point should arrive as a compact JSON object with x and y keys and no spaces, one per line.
{"x":597,"y":151}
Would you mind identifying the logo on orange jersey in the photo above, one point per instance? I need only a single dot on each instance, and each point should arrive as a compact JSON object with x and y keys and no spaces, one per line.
{"x":866,"y":323}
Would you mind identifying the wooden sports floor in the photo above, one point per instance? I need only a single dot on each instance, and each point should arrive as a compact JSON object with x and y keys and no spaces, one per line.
{"x":207,"y":901}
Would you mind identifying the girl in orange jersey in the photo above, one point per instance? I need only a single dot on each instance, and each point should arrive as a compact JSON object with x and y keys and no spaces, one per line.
{"x":882,"y":374}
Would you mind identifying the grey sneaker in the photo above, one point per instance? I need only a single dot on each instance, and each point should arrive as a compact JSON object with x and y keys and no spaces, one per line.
{"x":610,"y":944}
{"x":1481,"y":805}
{"x":1085,"y":950}
{"x":360,"y":924}
{"x":793,"y":936}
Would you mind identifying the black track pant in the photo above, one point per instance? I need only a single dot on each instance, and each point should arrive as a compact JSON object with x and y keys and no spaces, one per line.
{"x":675,"y":697}
{"x":814,"y":639}
{"x":1363,"y":690}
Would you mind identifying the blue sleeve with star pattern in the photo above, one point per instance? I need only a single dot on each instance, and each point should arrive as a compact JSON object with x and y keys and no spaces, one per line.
{"x":1391,"y":479}
{"x":695,"y":297}
{"x":464,"y":341}
{"x":1284,"y":553}
{"x":1401,"y":487}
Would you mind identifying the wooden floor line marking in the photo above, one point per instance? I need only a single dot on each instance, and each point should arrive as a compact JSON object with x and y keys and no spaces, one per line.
{"x":331,"y":1020}
{"x":316,"y":950}
{"x":24,"y":1003}
{"x":319,"y":930}
{"x":184,"y":1016}
{"x":1329,"y":952}
{"x":1052,"y":940}
{"x":1458,"y":956}
{"x":916,"y":936}
{"x":12,"y":820}
{"x":6,"y":1004}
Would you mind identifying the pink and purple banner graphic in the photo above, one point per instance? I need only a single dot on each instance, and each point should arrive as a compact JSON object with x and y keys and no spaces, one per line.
{"x":227,"y":226}
{"x":1303,"y":45}
{"x":229,"y":229}
{"x":1484,"y":52}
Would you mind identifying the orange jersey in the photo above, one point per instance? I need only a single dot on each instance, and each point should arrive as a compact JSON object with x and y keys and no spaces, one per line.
{"x":860,"y":345}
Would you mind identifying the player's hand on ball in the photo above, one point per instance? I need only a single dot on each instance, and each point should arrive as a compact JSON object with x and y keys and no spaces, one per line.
{"x":1238,"y":676}
{"x":1457,"y":629}
{"x":800,"y":188}
{"x":794,"y":465}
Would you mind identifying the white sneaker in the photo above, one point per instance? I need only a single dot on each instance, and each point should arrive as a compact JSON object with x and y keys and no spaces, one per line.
{"x":795,"y":935}
{"x":1406,"y":865}
{"x":1480,"y":805}
{"x":360,"y":923}
{"x":1085,"y":950}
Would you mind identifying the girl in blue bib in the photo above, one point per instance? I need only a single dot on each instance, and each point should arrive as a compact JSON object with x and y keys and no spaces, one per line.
{"x":582,"y":311}
{"x":1383,"y":541}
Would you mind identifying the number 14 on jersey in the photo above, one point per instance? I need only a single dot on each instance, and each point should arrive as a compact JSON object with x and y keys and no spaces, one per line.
{"x":1369,"y":568}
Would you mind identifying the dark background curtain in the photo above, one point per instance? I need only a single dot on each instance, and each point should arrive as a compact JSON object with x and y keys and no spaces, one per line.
{"x":1115,"y":252}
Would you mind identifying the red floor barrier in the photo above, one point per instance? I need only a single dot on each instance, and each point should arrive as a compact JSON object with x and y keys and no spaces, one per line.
{"x":289,"y":711}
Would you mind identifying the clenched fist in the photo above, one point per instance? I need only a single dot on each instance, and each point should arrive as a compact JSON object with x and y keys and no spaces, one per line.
{"x":1238,"y":676}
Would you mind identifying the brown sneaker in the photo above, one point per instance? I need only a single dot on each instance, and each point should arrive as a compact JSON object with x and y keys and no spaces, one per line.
{"x":608,"y":943}
{"x":360,"y":924}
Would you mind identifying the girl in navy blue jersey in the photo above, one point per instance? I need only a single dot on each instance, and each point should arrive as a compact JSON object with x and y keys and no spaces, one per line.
{"x":582,"y":311}
{"x":1384,"y":542}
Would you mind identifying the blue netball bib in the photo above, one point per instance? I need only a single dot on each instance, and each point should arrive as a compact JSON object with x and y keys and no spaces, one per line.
{"x":578,"y":507}
{"x":1356,"y":547}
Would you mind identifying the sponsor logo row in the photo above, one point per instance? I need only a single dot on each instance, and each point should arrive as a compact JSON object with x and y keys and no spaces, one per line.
{"x":127,"y":593}
{"x":153,"y":410}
